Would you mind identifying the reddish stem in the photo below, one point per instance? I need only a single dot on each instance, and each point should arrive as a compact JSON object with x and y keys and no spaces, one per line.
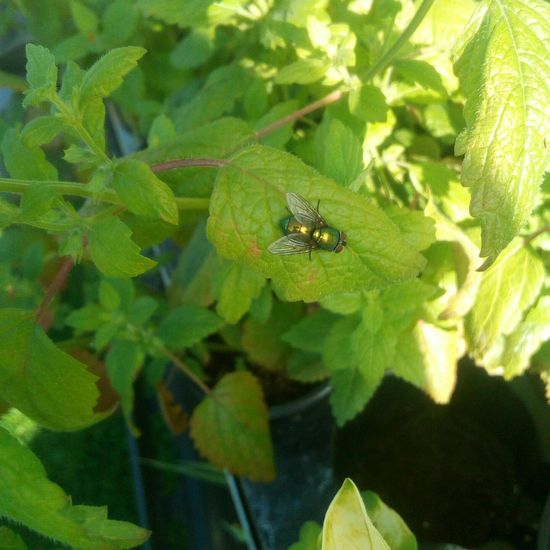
{"x":53,"y":289}
{"x":187,"y":163}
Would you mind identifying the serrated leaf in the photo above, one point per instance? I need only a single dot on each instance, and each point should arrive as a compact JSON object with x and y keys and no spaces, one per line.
{"x":87,"y":318}
{"x":347,"y":524}
{"x":303,"y":71}
{"x":124,"y":360}
{"x":310,"y":332}
{"x":236,"y":285}
{"x":422,"y":73}
{"x":41,"y":130}
{"x":251,"y":189}
{"x":25,"y":162}
{"x":27,"y":496}
{"x":506,"y":290}
{"x":505,"y":78}
{"x":41,"y":75}
{"x":306,"y":367}
{"x":339,"y":152}
{"x":389,"y":523}
{"x":187,"y":325}
{"x":46,"y":384}
{"x":143,"y":192}
{"x":230,"y":427}
{"x":350,"y":393}
{"x":106,"y":74}
{"x":113,"y":251}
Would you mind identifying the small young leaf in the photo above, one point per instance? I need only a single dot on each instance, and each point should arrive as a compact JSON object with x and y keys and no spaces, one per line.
{"x":113,"y":252}
{"x":251,"y":190}
{"x":339,"y":155}
{"x":41,"y":130}
{"x":28,"y":497}
{"x":517,"y":275}
{"x":195,"y":49}
{"x":108,"y":296}
{"x":230,"y":427}
{"x":161,"y":130}
{"x":368,"y":103}
{"x":25,"y":162}
{"x":237,"y":285}
{"x":504,"y":76}
{"x":347,"y":524}
{"x":306,"y":367}
{"x":310,"y":333}
{"x":143,"y":193}
{"x":88,"y":318}
{"x":124,"y":360}
{"x":303,"y":71}
{"x":187,"y":325}
{"x":106,"y":74}
{"x":41,"y":75}
{"x":84,"y":18}
{"x":46,"y":384}
{"x":310,"y":533}
{"x":389,"y":523}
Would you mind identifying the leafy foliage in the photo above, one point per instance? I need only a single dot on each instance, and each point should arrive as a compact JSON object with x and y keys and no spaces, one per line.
{"x":353,"y":105}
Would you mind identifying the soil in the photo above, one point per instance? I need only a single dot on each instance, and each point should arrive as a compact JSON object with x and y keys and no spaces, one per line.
{"x":466,"y":473}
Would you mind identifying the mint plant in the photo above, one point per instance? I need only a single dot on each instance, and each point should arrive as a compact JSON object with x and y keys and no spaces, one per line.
{"x":362,"y":107}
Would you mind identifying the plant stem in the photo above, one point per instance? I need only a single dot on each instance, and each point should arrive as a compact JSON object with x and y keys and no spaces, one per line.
{"x":8,"y":185}
{"x":53,"y":289}
{"x":186,"y":370}
{"x":323,"y":102}
{"x":188,"y":163}
{"x":391,"y":53}
{"x":76,"y":123}
{"x":385,"y":60}
{"x":533,"y":236}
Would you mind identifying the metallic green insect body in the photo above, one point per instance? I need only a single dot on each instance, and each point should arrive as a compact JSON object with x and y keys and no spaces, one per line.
{"x":306,"y":230}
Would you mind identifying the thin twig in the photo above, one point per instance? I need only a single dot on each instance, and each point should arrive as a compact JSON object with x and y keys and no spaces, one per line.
{"x":529,"y":238}
{"x":186,"y":370}
{"x":53,"y":289}
{"x":187,"y":163}
{"x":323,"y":102}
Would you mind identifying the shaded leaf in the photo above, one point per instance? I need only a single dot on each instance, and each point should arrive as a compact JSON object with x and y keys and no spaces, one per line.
{"x":187,"y":325}
{"x":27,"y":496}
{"x":310,"y":534}
{"x":39,"y":379}
{"x":303,"y":71}
{"x":41,"y":130}
{"x":309,"y":333}
{"x":171,"y":410}
{"x":230,"y":427}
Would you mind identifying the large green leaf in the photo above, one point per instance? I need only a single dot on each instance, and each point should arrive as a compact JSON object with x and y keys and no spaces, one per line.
{"x":28,"y":497}
{"x":230,"y":427}
{"x":36,"y":377}
{"x":506,"y":290}
{"x":249,"y":201}
{"x":347,"y":524}
{"x":506,"y":80}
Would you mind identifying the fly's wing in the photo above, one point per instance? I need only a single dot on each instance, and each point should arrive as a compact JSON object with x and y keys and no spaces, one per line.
{"x":295,"y":243}
{"x":303,"y":211}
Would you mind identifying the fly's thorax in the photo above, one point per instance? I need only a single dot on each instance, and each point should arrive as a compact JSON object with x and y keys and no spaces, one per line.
{"x":292,"y":225}
{"x":328,"y":238}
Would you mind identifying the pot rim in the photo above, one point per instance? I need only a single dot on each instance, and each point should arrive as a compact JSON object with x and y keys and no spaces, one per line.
{"x":276,"y":412}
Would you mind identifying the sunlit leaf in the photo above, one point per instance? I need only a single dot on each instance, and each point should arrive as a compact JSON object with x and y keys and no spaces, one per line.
{"x":41,"y":75}
{"x":505,"y":78}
